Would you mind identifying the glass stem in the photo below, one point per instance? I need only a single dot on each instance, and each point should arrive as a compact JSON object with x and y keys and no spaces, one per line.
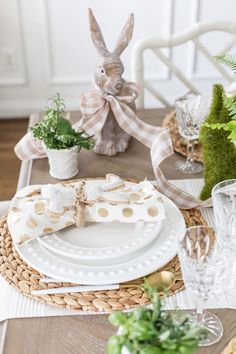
{"x":200,"y":306}
{"x":190,"y":150}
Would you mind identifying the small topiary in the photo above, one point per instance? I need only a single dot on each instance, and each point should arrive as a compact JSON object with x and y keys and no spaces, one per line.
{"x":219,"y":154}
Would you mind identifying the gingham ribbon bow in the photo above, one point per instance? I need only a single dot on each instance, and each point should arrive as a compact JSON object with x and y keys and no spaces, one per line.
{"x":95,"y":107}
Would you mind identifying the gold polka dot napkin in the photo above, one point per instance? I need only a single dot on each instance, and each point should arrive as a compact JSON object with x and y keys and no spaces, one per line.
{"x":43,"y":209}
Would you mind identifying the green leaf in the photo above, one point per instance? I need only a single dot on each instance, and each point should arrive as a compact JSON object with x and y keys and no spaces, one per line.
{"x":164,"y":335}
{"x":186,"y":350}
{"x":64,"y":126}
{"x":150,"y":349}
{"x":142,"y":330}
{"x":228,"y":60}
{"x":57,"y":132}
{"x":117,"y":318}
{"x":114,"y":345}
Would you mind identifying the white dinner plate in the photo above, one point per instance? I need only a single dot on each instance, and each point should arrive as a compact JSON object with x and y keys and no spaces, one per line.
{"x":162,"y":250}
{"x":99,"y":241}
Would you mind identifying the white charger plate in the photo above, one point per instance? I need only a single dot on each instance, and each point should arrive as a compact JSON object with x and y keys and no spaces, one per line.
{"x":99,"y":241}
{"x":161,"y":251}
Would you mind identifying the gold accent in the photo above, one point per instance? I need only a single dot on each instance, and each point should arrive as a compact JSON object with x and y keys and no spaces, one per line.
{"x":148,"y":196}
{"x":34,"y":192}
{"x":39,"y":208}
{"x":127,"y":212}
{"x":127,"y":190}
{"x":23,"y":238}
{"x":54,"y":217}
{"x":15,"y":210}
{"x":134,"y":197}
{"x":153,"y":211}
{"x":69,"y":223}
{"x":53,"y":214}
{"x":31,"y":223}
{"x":103,"y":212}
{"x":48,"y":230}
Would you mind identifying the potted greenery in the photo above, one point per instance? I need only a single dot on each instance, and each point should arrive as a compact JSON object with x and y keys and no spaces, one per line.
{"x":61,"y":142}
{"x":154,"y":331}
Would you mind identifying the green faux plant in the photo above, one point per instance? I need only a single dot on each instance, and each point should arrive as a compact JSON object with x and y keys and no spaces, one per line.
{"x":219,"y":153}
{"x":155,"y":331}
{"x":56,"y":132}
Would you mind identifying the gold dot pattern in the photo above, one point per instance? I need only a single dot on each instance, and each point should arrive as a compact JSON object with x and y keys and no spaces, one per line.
{"x":69,"y":223}
{"x":54,"y":218}
{"x":134,"y":197}
{"x":48,"y":230}
{"x":127,"y":212}
{"x":31,"y":223}
{"x":103,"y":212}
{"x":148,"y":197}
{"x":15,"y":210}
{"x":152,"y":211}
{"x":39,"y":208}
{"x":127,"y":190}
{"x":23,"y":238}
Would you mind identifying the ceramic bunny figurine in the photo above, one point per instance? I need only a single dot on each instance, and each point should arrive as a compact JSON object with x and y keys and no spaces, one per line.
{"x":108,"y":78}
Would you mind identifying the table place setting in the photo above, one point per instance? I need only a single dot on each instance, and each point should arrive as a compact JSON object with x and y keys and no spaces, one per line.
{"x":17,"y":305}
{"x":131,"y":248}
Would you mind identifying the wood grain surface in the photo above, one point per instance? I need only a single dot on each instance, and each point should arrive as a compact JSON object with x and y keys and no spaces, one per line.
{"x":89,"y":334}
{"x":11,"y":130}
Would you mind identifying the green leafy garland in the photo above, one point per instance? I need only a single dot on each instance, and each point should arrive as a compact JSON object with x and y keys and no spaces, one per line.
{"x":155,"y":331}
{"x":229,"y":102}
{"x":56,"y":132}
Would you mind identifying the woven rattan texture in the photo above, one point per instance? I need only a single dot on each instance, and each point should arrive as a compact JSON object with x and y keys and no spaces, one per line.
{"x":231,"y":347}
{"x":179,"y":143}
{"x":26,"y":279}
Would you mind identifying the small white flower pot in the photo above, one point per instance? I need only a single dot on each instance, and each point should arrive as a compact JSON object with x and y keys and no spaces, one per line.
{"x":63,"y":163}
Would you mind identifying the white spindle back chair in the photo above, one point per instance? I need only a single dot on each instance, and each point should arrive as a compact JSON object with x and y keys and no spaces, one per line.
{"x":193,"y":35}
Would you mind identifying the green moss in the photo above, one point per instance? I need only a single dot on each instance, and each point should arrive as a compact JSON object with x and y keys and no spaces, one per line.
{"x":219,"y":154}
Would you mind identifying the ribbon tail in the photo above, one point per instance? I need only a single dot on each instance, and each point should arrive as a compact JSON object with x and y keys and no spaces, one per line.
{"x":28,"y":148}
{"x":162,"y":149}
{"x":159,"y":141}
{"x":94,"y":124}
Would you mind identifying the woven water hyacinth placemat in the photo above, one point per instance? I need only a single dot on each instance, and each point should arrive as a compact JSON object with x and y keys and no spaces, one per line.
{"x":25,"y":279}
{"x":179,"y":143}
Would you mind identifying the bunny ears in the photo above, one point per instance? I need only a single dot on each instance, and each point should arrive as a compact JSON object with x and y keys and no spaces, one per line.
{"x":97,"y":37}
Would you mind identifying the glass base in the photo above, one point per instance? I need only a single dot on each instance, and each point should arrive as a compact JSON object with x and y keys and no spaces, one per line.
{"x":215,"y":328}
{"x":189,"y":166}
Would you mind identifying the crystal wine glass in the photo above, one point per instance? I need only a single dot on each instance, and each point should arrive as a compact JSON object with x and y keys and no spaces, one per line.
{"x":224,"y":206}
{"x":191,"y":111}
{"x":198,"y":255}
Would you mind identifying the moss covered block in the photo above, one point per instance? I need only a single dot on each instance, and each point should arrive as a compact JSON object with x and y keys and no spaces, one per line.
{"x":219,"y":154}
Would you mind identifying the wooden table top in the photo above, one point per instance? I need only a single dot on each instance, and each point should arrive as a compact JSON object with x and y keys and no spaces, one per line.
{"x":89,"y":334}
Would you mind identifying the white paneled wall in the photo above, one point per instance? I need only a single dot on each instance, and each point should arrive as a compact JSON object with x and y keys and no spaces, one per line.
{"x":45,"y":46}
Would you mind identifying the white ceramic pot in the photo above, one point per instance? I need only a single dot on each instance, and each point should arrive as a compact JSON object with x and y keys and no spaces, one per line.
{"x":63,"y":163}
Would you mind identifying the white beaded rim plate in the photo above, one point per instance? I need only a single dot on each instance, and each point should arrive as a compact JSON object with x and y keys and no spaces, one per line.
{"x":152,"y":257}
{"x":71,"y":242}
{"x":102,"y":240}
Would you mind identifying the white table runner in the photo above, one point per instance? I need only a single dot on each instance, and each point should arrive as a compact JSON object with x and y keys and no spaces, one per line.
{"x":15,"y":305}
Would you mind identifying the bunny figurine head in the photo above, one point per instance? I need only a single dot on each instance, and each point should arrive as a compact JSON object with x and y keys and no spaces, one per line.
{"x":108,"y":76}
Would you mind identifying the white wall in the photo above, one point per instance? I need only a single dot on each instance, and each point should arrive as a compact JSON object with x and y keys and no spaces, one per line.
{"x":45,"y":46}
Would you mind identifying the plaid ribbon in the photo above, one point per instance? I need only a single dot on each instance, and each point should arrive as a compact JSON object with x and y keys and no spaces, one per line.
{"x":95,"y":107}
